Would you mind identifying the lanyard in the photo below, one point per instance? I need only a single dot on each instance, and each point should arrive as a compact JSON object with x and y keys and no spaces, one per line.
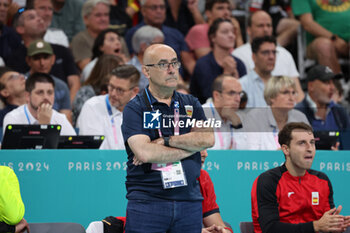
{"x":218,"y":132}
{"x":275,"y":136}
{"x":110,"y":113}
{"x":26,"y":113}
{"x":176,"y":115}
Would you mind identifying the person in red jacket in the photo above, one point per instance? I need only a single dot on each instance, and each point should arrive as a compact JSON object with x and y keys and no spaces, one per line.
{"x":212,"y":220}
{"x":294,"y":198}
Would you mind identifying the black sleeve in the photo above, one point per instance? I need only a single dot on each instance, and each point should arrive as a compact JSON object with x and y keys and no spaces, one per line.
{"x":240,"y":67}
{"x":5,"y":228}
{"x":268,"y":208}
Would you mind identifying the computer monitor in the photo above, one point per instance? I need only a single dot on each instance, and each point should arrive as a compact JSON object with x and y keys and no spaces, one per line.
{"x":324,"y":140}
{"x":80,"y":142}
{"x":31,"y":136}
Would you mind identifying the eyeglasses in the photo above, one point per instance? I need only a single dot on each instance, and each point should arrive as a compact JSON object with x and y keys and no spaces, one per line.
{"x":268,"y":52}
{"x":15,"y":76}
{"x":165,"y":66}
{"x":155,"y":7}
{"x":118,"y":90}
{"x":234,"y":93}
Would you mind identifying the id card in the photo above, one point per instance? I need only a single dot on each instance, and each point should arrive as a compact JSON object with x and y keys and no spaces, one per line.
{"x":172,"y":174}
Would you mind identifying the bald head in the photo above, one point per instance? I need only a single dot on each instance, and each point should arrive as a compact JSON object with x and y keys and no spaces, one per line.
{"x":259,"y":24}
{"x":153,"y":54}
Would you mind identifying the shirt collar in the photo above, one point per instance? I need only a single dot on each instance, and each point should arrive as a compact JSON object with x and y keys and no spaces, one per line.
{"x":32,"y":119}
{"x":271,"y":118}
{"x":313,"y":105}
{"x":155,"y":101}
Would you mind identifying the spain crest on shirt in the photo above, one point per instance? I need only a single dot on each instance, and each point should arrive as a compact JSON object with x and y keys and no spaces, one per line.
{"x":315,"y":198}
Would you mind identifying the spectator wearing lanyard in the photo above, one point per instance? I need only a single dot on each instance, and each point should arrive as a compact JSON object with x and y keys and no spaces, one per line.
{"x":226,"y":91}
{"x":103,"y":114}
{"x":38,"y":110}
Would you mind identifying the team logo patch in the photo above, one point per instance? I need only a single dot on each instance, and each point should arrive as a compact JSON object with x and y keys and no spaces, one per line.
{"x":151,"y":120}
{"x":315,"y":198}
{"x":189,"y":110}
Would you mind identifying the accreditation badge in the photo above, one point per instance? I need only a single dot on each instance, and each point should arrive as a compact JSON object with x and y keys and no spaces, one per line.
{"x":172,"y":174}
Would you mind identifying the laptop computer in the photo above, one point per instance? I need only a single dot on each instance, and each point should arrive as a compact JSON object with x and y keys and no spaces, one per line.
{"x":31,"y":136}
{"x":80,"y":142}
{"x":324,"y":140}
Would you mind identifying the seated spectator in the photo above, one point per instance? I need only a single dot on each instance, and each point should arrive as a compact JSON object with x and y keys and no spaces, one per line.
{"x":107,"y":42}
{"x":40,"y":59}
{"x":293,"y":197}
{"x":96,"y":18}
{"x":12,"y":90}
{"x":153,"y":12}
{"x":9,"y":39}
{"x":263,"y":124}
{"x":259,"y":25}
{"x":284,"y":25}
{"x":318,"y":106}
{"x":264,"y":57}
{"x":97,"y":82}
{"x":44,"y":9}
{"x":212,"y":220}
{"x":183,"y":14}
{"x":103,"y":114}
{"x":67,"y":16}
{"x":327,"y":24}
{"x":38,"y":109}
{"x":197,"y":38}
{"x":12,"y":207}
{"x":31,"y":27}
{"x":223,"y":107}
{"x":218,"y":61}
{"x":144,"y":37}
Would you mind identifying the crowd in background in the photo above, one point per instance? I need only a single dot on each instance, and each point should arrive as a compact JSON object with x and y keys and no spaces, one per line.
{"x":79,"y":43}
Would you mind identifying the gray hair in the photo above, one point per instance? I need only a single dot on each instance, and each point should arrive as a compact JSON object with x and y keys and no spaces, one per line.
{"x":143,"y":2}
{"x":89,"y":5}
{"x":275,"y":85}
{"x":145,"y":34}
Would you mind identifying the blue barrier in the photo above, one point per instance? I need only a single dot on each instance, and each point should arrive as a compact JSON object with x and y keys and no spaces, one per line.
{"x":87,"y":185}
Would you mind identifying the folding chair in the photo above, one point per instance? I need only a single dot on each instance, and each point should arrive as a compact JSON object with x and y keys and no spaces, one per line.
{"x":56,"y":227}
{"x":246,"y":227}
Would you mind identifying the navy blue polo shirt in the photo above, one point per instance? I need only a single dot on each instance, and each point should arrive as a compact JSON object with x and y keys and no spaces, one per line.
{"x":142,"y":183}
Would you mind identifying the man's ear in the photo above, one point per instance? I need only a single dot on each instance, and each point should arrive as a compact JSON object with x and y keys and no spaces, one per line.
{"x":285,"y":150}
{"x":20,"y":30}
{"x":135,"y":90}
{"x":145,"y":71}
{"x":208,"y":14}
{"x":4,"y":93}
{"x":216,"y":94}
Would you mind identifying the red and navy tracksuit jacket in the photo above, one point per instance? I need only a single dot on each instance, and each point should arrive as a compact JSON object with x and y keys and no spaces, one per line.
{"x":284,"y":203}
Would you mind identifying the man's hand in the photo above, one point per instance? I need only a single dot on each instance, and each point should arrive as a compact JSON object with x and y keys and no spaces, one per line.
{"x":137,"y":162}
{"x":230,"y":66}
{"x":22,"y":226}
{"x":192,"y":5}
{"x":44,"y":113}
{"x":331,"y":221}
